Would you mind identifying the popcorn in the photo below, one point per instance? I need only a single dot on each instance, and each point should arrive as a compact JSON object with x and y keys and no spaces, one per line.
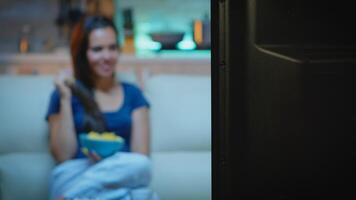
{"x":106,"y":136}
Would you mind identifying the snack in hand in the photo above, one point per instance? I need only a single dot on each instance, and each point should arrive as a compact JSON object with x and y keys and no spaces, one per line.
{"x":85,"y":151}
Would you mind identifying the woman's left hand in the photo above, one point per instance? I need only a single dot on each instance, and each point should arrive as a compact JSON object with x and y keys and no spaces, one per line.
{"x":94,"y":156}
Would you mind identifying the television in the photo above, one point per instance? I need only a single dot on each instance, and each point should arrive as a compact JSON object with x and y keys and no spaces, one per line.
{"x":284,"y":114}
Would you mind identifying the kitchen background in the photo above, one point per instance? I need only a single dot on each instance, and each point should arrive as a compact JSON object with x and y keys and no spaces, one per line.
{"x":157,"y":36}
{"x":44,"y":22}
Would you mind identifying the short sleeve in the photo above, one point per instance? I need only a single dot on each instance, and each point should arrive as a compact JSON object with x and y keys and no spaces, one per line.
{"x":137,"y":98}
{"x":54,"y":103}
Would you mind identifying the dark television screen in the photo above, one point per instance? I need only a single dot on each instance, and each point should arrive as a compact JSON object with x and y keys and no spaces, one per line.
{"x":305,"y":22}
{"x":290,"y":111}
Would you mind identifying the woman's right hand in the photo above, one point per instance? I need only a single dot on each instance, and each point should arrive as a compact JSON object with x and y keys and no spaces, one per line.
{"x":61,"y":81}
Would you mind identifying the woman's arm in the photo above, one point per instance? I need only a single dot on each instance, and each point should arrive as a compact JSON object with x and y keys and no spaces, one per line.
{"x":63,"y":141}
{"x":140,"y":138}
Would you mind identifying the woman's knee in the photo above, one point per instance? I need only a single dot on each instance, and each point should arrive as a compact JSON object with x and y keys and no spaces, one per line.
{"x":141,"y":167}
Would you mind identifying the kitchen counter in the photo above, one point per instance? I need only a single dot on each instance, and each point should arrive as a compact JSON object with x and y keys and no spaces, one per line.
{"x":174,"y":54}
{"x":196,"y":62}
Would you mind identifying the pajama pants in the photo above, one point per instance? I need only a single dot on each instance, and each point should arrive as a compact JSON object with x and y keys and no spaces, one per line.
{"x":124,"y":176}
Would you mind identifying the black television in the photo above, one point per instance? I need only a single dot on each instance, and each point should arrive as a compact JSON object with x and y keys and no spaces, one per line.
{"x":284,"y":114}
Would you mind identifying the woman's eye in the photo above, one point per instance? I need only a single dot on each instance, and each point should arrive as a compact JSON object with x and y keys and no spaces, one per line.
{"x":96,"y":49}
{"x":113,"y":47}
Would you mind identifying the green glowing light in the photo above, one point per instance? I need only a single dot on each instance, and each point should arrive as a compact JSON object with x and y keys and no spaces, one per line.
{"x":144,"y":42}
{"x":187,"y":43}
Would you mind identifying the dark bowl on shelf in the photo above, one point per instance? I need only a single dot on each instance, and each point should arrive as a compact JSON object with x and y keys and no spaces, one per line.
{"x":168,"y":40}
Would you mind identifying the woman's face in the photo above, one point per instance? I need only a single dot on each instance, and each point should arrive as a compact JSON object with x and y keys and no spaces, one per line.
{"x":102,"y":52}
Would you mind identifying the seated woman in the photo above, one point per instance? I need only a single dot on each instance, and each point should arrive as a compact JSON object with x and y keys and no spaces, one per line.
{"x":94,"y":101}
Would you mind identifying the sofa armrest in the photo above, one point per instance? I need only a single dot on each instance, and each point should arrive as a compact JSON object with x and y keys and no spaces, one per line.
{"x":25,"y":175}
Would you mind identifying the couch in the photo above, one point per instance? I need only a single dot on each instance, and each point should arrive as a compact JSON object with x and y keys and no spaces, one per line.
{"x":180,"y":136}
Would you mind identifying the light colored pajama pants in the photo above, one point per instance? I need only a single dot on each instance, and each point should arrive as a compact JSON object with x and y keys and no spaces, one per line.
{"x":123,"y":176}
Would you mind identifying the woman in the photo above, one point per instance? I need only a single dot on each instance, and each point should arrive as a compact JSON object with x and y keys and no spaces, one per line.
{"x":95,"y":101}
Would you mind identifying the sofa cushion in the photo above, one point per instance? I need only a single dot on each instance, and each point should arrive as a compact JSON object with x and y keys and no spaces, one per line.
{"x":182,"y":175}
{"x":180,"y":112}
{"x":25,"y":176}
{"x":23,"y":103}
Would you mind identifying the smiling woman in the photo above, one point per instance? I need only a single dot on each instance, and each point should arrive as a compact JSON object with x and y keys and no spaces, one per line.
{"x":93,"y":100}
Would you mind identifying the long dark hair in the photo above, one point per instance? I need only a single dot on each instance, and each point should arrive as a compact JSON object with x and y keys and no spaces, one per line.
{"x":83,"y":87}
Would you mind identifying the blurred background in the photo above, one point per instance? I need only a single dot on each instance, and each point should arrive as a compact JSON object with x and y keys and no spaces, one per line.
{"x":156,"y":36}
{"x":165,"y":49}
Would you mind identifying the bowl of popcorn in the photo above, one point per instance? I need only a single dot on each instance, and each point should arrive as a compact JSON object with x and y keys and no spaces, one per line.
{"x":103,"y":144}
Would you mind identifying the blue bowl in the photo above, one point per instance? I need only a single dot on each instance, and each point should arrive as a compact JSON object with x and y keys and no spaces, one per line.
{"x":103,"y":148}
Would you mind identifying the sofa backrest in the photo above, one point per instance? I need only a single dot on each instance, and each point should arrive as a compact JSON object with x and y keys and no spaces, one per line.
{"x":23,"y":104}
{"x":180,"y":112}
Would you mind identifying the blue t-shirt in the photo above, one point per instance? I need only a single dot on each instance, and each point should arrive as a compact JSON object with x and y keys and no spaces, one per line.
{"x":118,"y":121}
